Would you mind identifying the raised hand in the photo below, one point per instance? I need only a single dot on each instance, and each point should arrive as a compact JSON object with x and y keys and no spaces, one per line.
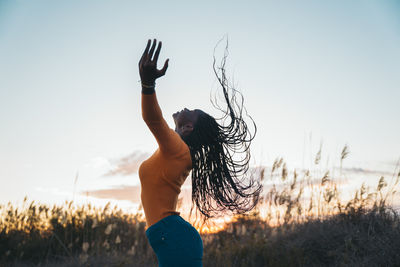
{"x":148,"y":64}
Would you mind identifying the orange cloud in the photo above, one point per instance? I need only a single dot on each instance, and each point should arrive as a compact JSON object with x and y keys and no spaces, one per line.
{"x":124,"y":192}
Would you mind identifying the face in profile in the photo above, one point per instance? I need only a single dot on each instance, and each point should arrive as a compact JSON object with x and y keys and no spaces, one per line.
{"x":185,"y":121}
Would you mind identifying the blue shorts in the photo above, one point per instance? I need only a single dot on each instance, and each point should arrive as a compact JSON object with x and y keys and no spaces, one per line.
{"x":175,"y":242}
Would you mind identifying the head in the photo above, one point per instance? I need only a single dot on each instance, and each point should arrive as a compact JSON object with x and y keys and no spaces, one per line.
{"x":185,"y":121}
{"x":216,"y":184}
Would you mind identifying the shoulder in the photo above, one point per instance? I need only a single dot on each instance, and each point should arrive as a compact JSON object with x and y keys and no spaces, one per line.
{"x":178,"y":148}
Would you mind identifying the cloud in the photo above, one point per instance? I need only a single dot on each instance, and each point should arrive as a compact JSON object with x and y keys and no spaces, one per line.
{"x":365,"y":171}
{"x":129,"y":164}
{"x":128,"y":192}
{"x":124,"y":192}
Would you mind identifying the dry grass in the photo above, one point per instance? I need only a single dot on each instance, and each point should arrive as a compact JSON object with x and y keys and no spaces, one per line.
{"x":41,"y":234}
{"x":301,"y":221}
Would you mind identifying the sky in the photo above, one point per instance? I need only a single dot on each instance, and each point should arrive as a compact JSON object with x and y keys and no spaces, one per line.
{"x":311,"y":72}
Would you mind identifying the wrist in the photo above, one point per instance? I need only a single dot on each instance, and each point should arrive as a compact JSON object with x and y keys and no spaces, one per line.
{"x":148,"y":82}
{"x":148,"y":89}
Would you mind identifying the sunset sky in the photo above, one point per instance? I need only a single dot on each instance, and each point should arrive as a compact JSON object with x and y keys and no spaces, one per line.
{"x":311,"y":72}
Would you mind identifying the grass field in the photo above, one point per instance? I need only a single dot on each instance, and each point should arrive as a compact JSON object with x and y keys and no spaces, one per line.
{"x":301,"y":221}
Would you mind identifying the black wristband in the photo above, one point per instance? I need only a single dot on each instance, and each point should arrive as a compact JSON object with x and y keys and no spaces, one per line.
{"x":148,"y":91}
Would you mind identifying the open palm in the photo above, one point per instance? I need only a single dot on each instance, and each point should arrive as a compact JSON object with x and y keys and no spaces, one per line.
{"x":148,"y":64}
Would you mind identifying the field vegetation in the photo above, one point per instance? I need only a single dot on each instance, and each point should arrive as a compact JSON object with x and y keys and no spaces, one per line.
{"x":301,"y":220}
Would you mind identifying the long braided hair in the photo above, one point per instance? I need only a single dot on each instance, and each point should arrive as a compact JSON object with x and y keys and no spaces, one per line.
{"x":221,"y":154}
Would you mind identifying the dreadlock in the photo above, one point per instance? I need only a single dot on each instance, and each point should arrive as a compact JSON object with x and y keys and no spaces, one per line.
{"x":221,"y":154}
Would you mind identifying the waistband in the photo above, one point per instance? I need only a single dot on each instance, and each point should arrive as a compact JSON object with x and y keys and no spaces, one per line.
{"x":170,"y":219}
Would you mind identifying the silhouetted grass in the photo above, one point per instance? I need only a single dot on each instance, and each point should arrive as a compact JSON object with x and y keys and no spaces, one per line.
{"x":362,"y":238}
{"x":41,"y":234}
{"x":301,"y":221}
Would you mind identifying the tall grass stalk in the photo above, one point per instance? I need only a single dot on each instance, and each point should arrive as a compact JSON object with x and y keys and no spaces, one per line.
{"x":301,"y":220}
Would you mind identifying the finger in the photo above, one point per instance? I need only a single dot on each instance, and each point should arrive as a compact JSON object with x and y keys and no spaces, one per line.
{"x":157,"y":52}
{"x":164,"y":69}
{"x":152,"y":49}
{"x":145,"y":52}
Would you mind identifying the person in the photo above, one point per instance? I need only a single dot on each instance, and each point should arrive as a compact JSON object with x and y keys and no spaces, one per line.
{"x":200,"y":145}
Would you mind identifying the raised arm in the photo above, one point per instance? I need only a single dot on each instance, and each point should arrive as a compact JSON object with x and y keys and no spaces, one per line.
{"x":168,"y":141}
